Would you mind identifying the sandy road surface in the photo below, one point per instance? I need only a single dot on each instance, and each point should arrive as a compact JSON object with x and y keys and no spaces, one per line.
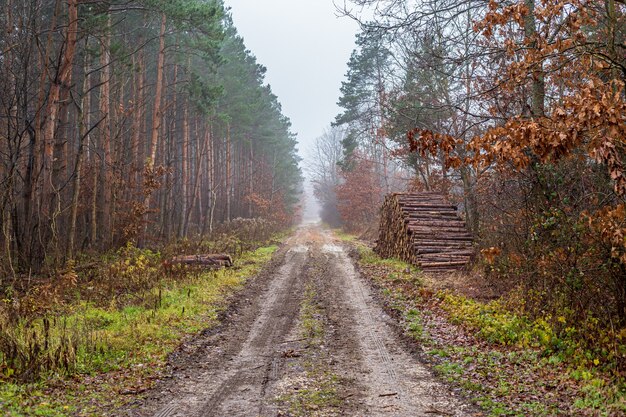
{"x":305,"y":338}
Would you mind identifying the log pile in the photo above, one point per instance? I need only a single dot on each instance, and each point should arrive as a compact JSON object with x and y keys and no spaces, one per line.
{"x":212,"y":261}
{"x":425,"y":230}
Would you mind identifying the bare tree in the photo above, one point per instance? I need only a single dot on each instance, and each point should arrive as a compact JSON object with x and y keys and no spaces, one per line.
{"x":323,"y":169}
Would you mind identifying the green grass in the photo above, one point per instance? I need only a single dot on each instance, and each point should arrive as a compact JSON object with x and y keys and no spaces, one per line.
{"x":312,"y":326}
{"x":369,"y":257}
{"x":344,"y":236}
{"x":415,"y":326}
{"x":129,"y":343}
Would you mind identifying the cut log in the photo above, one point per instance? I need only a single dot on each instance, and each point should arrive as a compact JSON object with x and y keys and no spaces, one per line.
{"x":423,"y":251}
{"x":430,"y":242}
{"x":219,"y":260}
{"x":444,"y":264}
{"x":413,"y":221}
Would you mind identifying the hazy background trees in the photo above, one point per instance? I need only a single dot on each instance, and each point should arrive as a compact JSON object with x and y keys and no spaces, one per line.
{"x":324,"y":173}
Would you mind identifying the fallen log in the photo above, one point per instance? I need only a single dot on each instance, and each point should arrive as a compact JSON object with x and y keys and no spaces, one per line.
{"x":219,"y":260}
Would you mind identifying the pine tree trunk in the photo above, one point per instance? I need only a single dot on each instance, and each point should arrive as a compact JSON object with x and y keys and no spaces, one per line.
{"x":210,"y":207}
{"x":55,"y":107}
{"x":105,"y":133}
{"x":48,"y":120}
{"x":182,"y":232}
{"x":227,"y":175}
{"x":83,"y":121}
{"x":157,"y":115}
{"x":250,"y":180}
{"x":138,"y":113}
{"x":32,"y":194}
{"x":196,"y":182}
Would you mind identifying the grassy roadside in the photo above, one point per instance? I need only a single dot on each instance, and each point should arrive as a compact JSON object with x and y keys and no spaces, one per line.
{"x":507,"y":363}
{"x":106,"y":355}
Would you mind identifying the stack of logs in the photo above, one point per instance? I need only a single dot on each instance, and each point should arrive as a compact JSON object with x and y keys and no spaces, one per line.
{"x":424,"y":230}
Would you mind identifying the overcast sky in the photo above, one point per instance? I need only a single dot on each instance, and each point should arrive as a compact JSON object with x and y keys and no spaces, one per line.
{"x":305,"y":48}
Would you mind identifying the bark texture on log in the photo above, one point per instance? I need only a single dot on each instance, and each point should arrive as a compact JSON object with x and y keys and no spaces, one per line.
{"x":219,"y":260}
{"x":425,"y":230}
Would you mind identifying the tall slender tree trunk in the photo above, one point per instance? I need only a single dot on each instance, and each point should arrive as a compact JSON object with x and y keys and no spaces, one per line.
{"x":32,"y":194}
{"x":105,"y":134}
{"x":250,"y":179}
{"x":210,"y":207}
{"x":93,"y":230}
{"x":184,"y":172}
{"x":84,"y":126}
{"x":166,"y":192}
{"x":156,"y":110}
{"x":42,"y":123}
{"x":60,"y":82}
{"x":8,"y":175}
{"x":196,"y":182}
{"x":138,"y":115}
{"x":168,"y":219}
{"x":157,"y":116}
{"x":228,"y":173}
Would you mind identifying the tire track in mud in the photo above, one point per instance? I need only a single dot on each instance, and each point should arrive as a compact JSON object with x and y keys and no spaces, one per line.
{"x":396,"y":384}
{"x":317,"y":379}
{"x":243,"y":390}
{"x":233,"y":366}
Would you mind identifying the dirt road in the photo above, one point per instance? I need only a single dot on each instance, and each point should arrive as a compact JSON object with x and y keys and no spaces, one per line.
{"x":306,"y":338}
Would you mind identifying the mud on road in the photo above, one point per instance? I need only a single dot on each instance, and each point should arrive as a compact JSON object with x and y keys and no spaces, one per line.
{"x":305,"y":338}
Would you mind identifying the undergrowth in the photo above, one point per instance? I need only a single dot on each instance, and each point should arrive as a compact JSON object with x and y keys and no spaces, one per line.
{"x":89,"y":349}
{"x":508,"y":362}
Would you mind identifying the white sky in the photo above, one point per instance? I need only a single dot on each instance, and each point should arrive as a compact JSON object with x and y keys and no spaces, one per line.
{"x":305,"y":48}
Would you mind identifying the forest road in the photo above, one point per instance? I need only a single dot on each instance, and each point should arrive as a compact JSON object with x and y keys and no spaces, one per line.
{"x":304,"y":338}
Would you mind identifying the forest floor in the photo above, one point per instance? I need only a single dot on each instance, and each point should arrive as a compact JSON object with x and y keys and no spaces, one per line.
{"x":307,"y":337}
{"x":503,"y":361}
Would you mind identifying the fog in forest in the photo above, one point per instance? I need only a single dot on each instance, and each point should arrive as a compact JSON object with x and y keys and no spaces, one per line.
{"x":290,"y":37}
{"x":311,"y":208}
